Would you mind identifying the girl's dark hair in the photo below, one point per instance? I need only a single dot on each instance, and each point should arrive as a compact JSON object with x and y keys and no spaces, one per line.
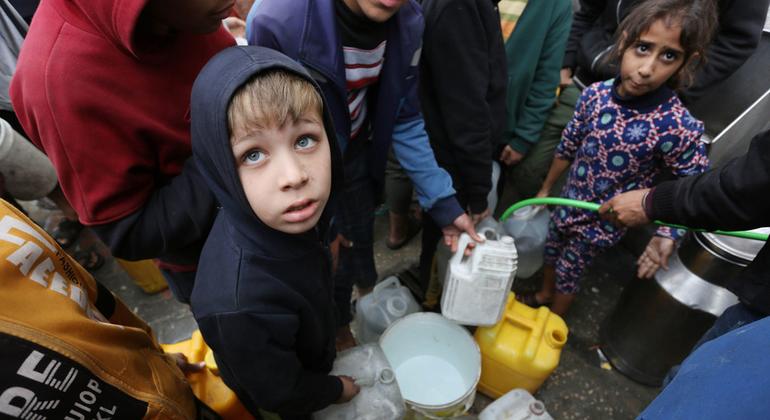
{"x":697,"y":18}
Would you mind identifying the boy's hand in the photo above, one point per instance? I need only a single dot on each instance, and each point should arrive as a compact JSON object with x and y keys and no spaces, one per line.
{"x":477,"y":217}
{"x":654,"y":256}
{"x":349,"y":389}
{"x":184,"y":365}
{"x":565,"y":77}
{"x":463,"y":223}
{"x":334,"y":249}
{"x":509,"y":156}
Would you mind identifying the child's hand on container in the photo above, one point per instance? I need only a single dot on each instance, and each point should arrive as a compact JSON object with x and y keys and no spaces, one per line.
{"x":655,"y":255}
{"x":349,"y":389}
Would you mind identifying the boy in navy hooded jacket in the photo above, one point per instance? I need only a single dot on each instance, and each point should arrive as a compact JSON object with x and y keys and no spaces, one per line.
{"x":263,"y":292}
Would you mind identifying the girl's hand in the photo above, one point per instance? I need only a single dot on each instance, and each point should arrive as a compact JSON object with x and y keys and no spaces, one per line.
{"x":655,"y":255}
{"x":349,"y":389}
{"x":544,"y":192}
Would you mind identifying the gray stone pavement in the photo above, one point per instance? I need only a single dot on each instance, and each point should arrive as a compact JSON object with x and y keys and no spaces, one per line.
{"x":579,"y":388}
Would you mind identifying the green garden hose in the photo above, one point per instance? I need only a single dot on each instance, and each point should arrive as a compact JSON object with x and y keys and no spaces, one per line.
{"x":558,"y":201}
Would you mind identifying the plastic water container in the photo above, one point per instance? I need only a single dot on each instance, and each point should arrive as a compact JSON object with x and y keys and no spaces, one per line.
{"x":375,"y":312}
{"x":476,"y":287}
{"x":206,"y":384}
{"x":515,"y":405}
{"x":529,"y":227}
{"x":145,"y":274}
{"x":492,"y":195}
{"x":379,"y":398}
{"x":437,"y":364}
{"x":522,"y":350}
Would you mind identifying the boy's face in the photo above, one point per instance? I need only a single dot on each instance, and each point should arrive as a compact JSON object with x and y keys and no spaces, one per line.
{"x":376,"y":10}
{"x":652,"y":60}
{"x":285,"y":172}
{"x":194,"y":16}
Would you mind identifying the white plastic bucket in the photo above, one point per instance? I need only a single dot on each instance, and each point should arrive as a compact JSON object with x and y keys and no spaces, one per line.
{"x":437,"y":364}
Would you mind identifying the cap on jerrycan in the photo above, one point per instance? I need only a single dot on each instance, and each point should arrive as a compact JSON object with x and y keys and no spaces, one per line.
{"x":388,"y":302}
{"x":476,"y":287}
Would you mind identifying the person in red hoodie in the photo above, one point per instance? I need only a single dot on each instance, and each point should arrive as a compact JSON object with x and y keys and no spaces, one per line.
{"x":103,"y":87}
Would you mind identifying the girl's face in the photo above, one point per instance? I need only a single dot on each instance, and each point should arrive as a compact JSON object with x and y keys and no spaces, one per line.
{"x":286,"y":172}
{"x":653,"y":59}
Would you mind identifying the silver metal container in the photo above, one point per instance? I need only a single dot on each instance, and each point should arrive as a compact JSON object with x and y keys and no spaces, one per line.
{"x":655,"y":323}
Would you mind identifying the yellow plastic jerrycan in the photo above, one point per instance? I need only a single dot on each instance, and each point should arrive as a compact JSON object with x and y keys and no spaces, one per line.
{"x":145,"y":275}
{"x":206,"y":384}
{"x":521,"y":350}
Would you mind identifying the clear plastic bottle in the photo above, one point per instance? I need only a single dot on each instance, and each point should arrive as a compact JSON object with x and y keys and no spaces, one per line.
{"x":388,"y":302}
{"x":379,"y":398}
{"x":517,"y":404}
{"x":529,"y":228}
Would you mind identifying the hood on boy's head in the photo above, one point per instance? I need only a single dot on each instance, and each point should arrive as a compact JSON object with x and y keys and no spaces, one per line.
{"x":211,"y":96}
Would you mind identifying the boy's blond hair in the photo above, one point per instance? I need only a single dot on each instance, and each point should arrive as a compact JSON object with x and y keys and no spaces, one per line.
{"x":272,"y":99}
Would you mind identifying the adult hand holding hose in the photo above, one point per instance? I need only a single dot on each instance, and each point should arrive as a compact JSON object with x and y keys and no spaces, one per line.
{"x":626,"y":209}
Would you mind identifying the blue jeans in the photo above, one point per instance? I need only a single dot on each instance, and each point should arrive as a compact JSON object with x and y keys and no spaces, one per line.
{"x":732,"y":318}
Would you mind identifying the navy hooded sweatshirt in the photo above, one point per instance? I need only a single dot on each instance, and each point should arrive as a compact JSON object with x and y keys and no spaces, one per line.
{"x":262,"y":298}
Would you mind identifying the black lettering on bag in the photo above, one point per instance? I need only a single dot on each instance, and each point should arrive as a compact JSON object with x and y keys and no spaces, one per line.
{"x":37,"y":383}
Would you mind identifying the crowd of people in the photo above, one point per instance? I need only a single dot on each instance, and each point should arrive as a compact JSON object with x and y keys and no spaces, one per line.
{"x":251,"y":174}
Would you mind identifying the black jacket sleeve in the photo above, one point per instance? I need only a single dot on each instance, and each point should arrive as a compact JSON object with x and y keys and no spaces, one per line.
{"x":456,"y":47}
{"x":737,"y":37}
{"x":583,"y":20}
{"x":730,"y":197}
{"x":172,"y":224}
{"x":256,"y":355}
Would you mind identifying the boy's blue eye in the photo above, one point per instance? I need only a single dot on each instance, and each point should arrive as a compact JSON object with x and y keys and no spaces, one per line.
{"x":305,"y":142}
{"x":253,"y":156}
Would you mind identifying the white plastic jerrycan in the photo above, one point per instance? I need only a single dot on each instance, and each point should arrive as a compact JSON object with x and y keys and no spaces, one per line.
{"x":529,"y":227}
{"x":517,"y":404}
{"x":388,"y":302}
{"x":379,"y":398}
{"x":476,"y":287}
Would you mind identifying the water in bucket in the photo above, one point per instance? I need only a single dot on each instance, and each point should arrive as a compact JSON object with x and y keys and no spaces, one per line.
{"x":388,"y":302}
{"x":436,"y":361}
{"x":529,"y":227}
{"x":476,"y":287}
{"x":379,"y":398}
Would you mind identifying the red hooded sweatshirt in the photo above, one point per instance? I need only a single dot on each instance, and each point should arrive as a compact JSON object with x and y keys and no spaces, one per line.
{"x":111,"y":114}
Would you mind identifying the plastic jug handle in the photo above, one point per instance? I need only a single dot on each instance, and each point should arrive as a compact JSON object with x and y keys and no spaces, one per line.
{"x":388,"y":282}
{"x":461,"y":245}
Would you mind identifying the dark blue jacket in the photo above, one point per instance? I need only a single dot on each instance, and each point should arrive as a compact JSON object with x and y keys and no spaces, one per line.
{"x":262,"y":298}
{"x":306,"y":30}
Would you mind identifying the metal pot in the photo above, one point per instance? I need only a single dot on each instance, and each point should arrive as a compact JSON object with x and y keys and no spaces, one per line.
{"x":656,"y":323}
